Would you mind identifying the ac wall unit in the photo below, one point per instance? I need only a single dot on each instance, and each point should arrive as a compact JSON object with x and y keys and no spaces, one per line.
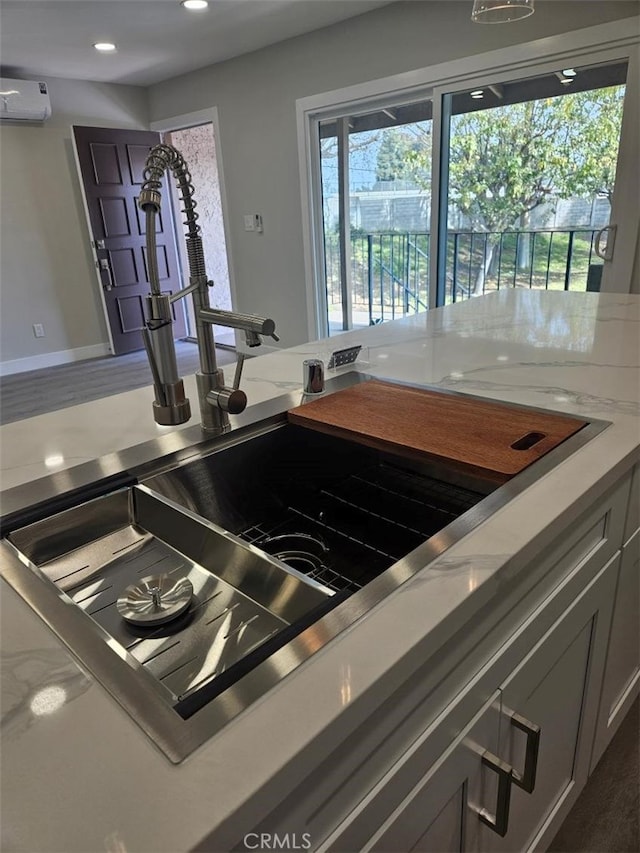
{"x":24,"y":100}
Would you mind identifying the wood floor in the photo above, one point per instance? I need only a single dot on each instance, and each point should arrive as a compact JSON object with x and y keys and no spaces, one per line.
{"x":25,"y":395}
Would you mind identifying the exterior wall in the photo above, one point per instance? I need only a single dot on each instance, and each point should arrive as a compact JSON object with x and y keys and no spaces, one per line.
{"x":198,"y":145}
{"x":256,"y":99}
{"x":46,"y":267}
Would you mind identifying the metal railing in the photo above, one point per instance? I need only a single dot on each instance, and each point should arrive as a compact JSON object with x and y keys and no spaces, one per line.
{"x":389,"y":274}
{"x":547,"y":259}
{"x":390,"y":270}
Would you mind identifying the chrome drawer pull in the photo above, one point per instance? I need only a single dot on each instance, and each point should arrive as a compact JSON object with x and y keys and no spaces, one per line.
{"x":499,"y":823}
{"x":527,"y":779}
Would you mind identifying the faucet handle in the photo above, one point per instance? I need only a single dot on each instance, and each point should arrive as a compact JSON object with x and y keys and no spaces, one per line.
{"x":230,"y":400}
{"x":238,"y":374}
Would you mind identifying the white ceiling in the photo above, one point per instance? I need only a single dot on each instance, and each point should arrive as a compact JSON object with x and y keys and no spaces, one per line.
{"x":156,"y":39}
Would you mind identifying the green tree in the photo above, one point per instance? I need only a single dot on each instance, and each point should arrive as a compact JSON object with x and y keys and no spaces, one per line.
{"x":596,"y":118}
{"x":506,"y":161}
{"x":401,"y":151}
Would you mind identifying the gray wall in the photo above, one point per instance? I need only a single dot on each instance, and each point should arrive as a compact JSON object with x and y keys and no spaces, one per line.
{"x":256,"y":93}
{"x":46,"y":271}
{"x":635,"y":277}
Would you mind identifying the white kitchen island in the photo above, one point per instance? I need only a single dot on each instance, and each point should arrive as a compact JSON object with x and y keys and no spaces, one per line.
{"x":383,"y":739}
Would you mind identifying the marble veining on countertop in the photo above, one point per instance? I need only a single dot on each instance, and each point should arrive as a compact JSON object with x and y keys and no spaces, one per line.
{"x":78,"y":774}
{"x":490,"y":347}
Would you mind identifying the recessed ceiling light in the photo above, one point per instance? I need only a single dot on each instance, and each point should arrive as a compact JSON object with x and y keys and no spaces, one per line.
{"x":105,"y":46}
{"x":567,"y":76}
{"x":195,"y":5}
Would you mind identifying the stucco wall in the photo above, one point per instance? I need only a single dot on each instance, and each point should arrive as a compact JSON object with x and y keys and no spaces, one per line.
{"x":198,"y":146}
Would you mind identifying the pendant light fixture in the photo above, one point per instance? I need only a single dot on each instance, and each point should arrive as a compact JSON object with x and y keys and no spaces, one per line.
{"x":500,"y":11}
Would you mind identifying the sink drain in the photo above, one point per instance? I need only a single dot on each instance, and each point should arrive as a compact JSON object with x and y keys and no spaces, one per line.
{"x":300,"y":551}
{"x":155,"y":600}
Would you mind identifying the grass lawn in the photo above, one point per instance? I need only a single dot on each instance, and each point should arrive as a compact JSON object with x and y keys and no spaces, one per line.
{"x":543,"y":261}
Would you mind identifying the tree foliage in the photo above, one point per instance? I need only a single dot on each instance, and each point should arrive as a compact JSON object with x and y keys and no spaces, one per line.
{"x":400,"y":156}
{"x":597,"y":117}
{"x":506,"y":161}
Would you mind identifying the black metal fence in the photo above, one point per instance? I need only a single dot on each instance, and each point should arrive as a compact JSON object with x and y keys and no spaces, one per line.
{"x":390,"y":271}
{"x":550,"y":259}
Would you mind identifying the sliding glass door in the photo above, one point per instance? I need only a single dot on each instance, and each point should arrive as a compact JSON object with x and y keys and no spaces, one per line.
{"x":528,"y":179}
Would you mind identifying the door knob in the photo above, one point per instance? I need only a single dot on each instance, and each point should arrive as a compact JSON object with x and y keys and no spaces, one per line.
{"x":103,"y":266}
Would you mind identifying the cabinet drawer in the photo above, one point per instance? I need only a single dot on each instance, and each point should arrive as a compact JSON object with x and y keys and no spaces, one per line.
{"x":427,"y":799}
{"x":601,"y":529}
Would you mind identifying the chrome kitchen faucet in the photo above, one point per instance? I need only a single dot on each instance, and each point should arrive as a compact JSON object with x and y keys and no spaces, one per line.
{"x":217,"y":401}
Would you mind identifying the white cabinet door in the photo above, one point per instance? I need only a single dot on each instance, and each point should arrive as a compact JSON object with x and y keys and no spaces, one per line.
{"x":466,"y":789}
{"x":554,"y":694}
{"x":622,"y":673}
{"x":453,"y":794}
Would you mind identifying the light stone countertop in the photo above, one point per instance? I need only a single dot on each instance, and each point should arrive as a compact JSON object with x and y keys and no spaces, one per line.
{"x":83,"y":777}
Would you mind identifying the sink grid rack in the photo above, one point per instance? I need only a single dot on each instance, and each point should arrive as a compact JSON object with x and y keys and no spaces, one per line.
{"x":370,"y":519}
{"x":322,"y":573}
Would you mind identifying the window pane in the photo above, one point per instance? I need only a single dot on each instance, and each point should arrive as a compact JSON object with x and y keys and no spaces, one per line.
{"x":330,"y":221}
{"x":531,"y":172}
{"x":387,"y":242}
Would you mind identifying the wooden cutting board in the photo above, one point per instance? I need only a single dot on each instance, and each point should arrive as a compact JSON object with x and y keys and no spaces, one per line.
{"x":492,"y":439}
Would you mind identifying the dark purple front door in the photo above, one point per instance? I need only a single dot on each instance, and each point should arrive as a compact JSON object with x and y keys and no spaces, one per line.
{"x":111,"y":163}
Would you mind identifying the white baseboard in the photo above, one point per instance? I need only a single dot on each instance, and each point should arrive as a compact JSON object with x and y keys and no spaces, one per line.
{"x":51,"y":359}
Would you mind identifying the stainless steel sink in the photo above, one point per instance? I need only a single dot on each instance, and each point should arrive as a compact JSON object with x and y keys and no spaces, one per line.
{"x":286,"y":536}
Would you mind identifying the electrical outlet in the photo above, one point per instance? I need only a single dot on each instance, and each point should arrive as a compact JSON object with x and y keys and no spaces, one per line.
{"x":38,"y":330}
{"x":344,"y":356}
